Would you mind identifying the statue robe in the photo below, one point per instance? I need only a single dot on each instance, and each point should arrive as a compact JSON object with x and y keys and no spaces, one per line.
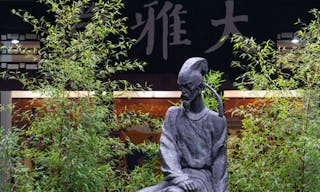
{"x":192,"y":146}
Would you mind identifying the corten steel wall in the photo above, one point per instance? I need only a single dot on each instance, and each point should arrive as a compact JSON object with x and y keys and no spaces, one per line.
{"x":23,"y":108}
{"x":155,"y":103}
{"x":158,"y":106}
{"x":155,"y":106}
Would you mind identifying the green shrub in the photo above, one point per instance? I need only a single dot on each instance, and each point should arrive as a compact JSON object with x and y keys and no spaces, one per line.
{"x":214,"y":79}
{"x":279,"y":146}
{"x":71,"y":142}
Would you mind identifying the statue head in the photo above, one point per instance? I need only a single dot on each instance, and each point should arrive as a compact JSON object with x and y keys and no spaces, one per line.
{"x":190,"y":79}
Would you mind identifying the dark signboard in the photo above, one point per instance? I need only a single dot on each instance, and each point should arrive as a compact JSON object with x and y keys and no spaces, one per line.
{"x":170,"y":31}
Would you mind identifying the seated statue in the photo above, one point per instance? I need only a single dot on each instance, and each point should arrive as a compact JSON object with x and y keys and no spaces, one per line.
{"x":193,"y":139}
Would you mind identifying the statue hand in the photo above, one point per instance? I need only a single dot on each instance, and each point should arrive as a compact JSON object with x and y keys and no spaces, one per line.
{"x":189,"y":186}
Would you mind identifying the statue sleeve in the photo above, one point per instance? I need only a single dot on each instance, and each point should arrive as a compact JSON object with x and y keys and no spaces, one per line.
{"x":169,"y":152}
{"x":219,"y":167}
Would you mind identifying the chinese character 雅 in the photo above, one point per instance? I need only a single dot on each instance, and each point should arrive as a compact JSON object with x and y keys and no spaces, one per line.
{"x":164,"y":14}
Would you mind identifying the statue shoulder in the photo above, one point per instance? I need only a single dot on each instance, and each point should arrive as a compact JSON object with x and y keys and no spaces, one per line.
{"x":218,"y":121}
{"x":173,"y":111}
{"x":213,"y":113}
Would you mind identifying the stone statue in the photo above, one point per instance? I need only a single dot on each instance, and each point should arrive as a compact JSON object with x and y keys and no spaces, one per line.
{"x":193,"y":139}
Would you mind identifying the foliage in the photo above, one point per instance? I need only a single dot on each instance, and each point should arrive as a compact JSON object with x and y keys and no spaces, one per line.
{"x":147,"y":173}
{"x":279,"y":146}
{"x":214,"y":79}
{"x":129,"y":119}
{"x":70,"y":141}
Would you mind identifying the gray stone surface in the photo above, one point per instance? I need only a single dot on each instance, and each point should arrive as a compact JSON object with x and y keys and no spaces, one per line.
{"x":193,"y":139}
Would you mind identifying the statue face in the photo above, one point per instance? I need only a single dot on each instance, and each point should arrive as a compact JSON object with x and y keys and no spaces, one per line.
{"x":186,"y":91}
{"x":188,"y":83}
{"x":189,"y":91}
